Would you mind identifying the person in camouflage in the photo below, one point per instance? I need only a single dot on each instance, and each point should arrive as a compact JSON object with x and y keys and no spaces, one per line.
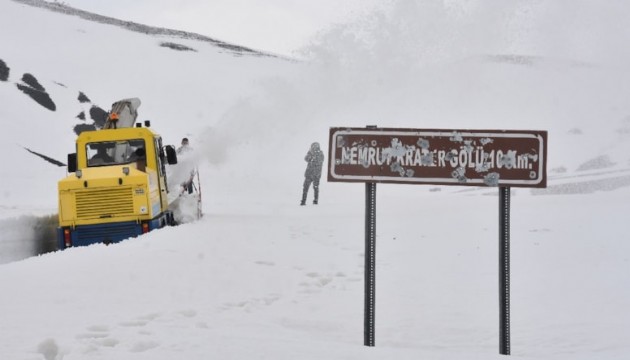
{"x":315,"y":160}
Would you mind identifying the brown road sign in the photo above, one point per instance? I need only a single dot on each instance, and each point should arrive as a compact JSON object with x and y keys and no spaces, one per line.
{"x":443,"y":157}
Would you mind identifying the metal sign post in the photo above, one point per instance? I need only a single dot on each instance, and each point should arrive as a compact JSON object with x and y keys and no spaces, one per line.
{"x":370,"y":263}
{"x":504,"y":270}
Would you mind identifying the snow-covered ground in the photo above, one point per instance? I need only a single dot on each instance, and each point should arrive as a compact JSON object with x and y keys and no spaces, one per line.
{"x":261,"y":277}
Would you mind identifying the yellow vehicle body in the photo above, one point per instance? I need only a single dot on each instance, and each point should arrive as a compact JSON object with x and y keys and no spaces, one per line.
{"x":106,"y":201}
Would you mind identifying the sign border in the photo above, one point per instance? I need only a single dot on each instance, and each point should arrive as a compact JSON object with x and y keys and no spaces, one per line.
{"x":541,"y":136}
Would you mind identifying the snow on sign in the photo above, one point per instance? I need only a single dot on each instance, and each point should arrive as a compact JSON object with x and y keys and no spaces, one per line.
{"x":442,"y":157}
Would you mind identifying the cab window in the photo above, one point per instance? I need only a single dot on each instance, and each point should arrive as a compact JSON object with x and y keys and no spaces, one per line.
{"x":105,"y":153}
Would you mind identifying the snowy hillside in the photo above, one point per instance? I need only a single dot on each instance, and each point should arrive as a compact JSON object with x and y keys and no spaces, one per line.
{"x":260,"y":276}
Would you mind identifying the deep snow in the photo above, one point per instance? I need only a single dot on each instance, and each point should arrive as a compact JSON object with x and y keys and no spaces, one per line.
{"x":260,"y":276}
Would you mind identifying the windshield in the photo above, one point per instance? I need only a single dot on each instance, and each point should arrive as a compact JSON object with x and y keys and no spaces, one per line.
{"x":114,"y":152}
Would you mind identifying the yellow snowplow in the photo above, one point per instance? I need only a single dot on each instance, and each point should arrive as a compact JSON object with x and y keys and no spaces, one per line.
{"x":117,"y":184}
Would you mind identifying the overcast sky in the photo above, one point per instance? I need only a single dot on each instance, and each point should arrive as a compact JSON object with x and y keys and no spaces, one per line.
{"x":279,"y":26}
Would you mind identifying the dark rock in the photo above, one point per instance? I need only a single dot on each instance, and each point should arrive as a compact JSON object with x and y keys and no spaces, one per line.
{"x":40,"y":97}
{"x":99,"y":116}
{"x":78,"y":129}
{"x":31,"y":81}
{"x":4,"y":71}
{"x":47,"y":158}
{"x":81,"y":116}
{"x":83,"y":98}
{"x":175,"y":46}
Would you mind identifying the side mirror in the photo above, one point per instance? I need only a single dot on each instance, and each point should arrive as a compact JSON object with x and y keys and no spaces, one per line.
{"x":72,"y":163}
{"x":171,"y":154}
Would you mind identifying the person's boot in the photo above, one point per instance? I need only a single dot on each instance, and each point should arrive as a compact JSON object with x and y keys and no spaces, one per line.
{"x":316,"y":190}
{"x":304,"y":193}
